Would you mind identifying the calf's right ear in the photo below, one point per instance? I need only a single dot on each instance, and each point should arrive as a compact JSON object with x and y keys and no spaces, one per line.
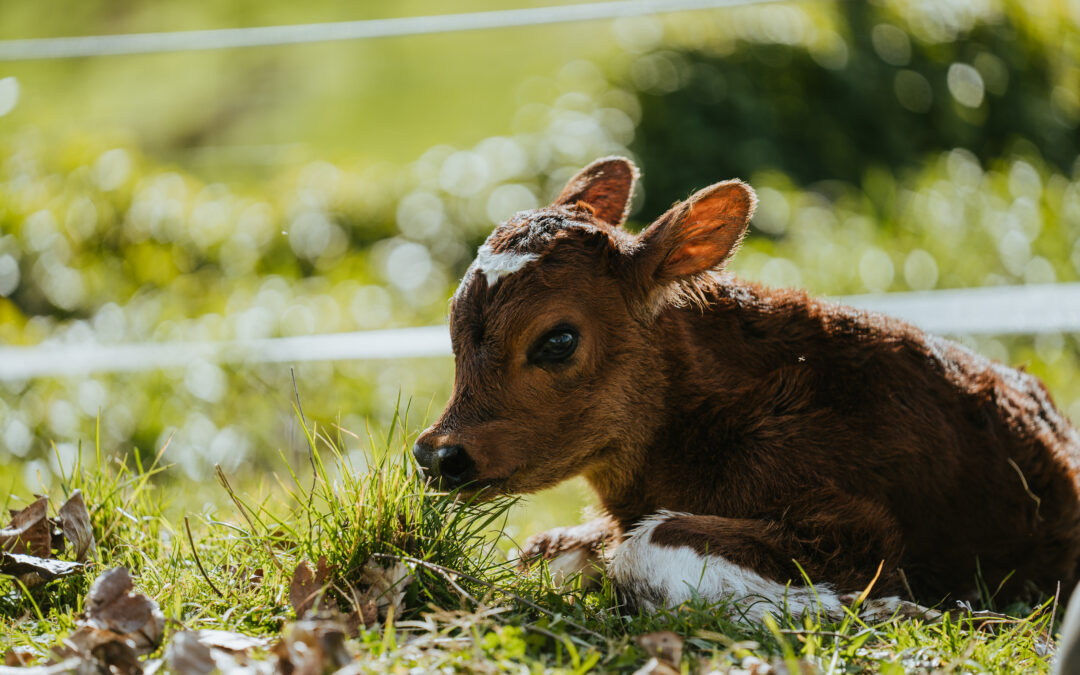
{"x":605,"y":187}
{"x":697,"y":235}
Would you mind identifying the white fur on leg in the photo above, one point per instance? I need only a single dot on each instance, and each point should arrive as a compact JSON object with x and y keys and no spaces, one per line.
{"x":566,"y":566}
{"x":876,"y":610}
{"x":652,"y":576}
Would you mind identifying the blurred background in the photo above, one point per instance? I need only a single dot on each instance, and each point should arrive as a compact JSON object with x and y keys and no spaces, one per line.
{"x":322,"y":188}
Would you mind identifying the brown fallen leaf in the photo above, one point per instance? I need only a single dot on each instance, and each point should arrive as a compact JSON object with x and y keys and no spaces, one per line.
{"x":306,"y":585}
{"x":230,"y":641}
{"x":33,"y":571}
{"x":27,"y":544}
{"x":200,"y":652}
{"x":87,"y":638}
{"x":312,"y":646}
{"x":74,"y":519}
{"x":105,"y":648}
{"x":111,"y":605}
{"x":19,"y":656}
{"x":380,"y":590}
{"x":655,"y":666}
{"x":71,"y":665}
{"x":29,"y":532}
{"x":187,"y":655}
{"x":664,"y":645}
{"x":309,"y":647}
{"x":752,"y":665}
{"x":118,"y":657}
{"x":368,"y":612}
{"x":665,"y":648}
{"x":119,"y":626}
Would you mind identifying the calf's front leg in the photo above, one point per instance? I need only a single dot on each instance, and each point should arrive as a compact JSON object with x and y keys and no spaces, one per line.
{"x":671,"y":558}
{"x":568,"y":551}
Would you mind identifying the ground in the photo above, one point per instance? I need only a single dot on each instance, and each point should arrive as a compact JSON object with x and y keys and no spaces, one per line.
{"x":429,"y":578}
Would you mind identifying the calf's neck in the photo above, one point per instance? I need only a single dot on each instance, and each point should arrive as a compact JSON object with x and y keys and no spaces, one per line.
{"x":735,"y":433}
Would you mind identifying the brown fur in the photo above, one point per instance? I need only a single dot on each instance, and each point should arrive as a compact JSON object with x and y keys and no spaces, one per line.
{"x":799,"y":430}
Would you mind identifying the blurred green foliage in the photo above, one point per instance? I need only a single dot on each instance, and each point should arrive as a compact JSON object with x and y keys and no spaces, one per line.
{"x":244,"y":113}
{"x":886,"y":89}
{"x":863,"y":189}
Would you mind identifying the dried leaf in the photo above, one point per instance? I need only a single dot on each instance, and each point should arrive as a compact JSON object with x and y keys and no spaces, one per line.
{"x":312,"y":646}
{"x":74,"y":519}
{"x":111,"y":605}
{"x":72,"y":665}
{"x":61,"y":652}
{"x":200,"y":652}
{"x":369,"y":613}
{"x":115,"y":652}
{"x":29,"y":532}
{"x":664,"y":645}
{"x":307,"y":647}
{"x":87,"y":638}
{"x":655,"y":666}
{"x":187,"y":655}
{"x":380,"y":590}
{"x":26,"y":567}
{"x":19,"y":656}
{"x":752,"y":665}
{"x":229,"y":641}
{"x":118,"y":656}
{"x":306,"y":585}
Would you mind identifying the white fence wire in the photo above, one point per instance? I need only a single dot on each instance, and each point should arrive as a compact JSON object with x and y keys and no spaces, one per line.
{"x":996,"y":310}
{"x":265,"y":36}
{"x":1034,"y":309}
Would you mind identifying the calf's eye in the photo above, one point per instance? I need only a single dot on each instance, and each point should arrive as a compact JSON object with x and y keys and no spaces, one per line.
{"x":555,"y":347}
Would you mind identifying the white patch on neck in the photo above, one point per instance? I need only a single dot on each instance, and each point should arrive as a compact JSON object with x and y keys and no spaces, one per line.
{"x":495,"y":266}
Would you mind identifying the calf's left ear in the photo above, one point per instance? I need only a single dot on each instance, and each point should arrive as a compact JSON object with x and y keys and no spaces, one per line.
{"x":697,"y":235}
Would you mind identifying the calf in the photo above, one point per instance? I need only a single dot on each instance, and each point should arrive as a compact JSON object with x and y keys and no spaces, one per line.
{"x":739,"y":436}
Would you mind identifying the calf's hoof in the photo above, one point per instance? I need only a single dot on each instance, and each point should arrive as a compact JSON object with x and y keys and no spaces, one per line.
{"x":570,"y":552}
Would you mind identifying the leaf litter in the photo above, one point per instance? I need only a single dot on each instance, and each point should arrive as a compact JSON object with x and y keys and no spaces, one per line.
{"x":121,"y":627}
{"x":379,"y":591}
{"x":28,"y":543}
{"x":315,"y":643}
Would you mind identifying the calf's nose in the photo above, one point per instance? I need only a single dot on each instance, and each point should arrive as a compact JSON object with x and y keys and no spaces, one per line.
{"x":448,"y":465}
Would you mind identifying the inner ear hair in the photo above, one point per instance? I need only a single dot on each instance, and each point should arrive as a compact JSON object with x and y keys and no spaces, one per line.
{"x":698,"y":235}
{"x":604,"y":187}
{"x":586,"y":207}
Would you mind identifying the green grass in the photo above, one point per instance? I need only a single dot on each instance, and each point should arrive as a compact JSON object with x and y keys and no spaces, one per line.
{"x":467,"y":608}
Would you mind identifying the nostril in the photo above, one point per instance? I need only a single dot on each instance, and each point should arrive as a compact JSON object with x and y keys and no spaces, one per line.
{"x":425,"y":457}
{"x":454,"y":463}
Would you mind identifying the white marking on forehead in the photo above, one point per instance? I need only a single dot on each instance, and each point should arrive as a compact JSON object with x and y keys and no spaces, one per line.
{"x":495,"y":266}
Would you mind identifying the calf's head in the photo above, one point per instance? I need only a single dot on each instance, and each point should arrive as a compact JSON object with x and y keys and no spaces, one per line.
{"x":553,"y":327}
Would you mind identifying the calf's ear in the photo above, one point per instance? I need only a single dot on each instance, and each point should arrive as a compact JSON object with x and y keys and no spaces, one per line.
{"x":697,"y":235}
{"x":605,"y":187}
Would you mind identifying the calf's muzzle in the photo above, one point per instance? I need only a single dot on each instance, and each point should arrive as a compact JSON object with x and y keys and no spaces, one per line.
{"x":450,"y":465}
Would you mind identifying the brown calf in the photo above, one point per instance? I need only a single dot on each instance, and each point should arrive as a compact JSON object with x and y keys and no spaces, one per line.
{"x":732,"y":431}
